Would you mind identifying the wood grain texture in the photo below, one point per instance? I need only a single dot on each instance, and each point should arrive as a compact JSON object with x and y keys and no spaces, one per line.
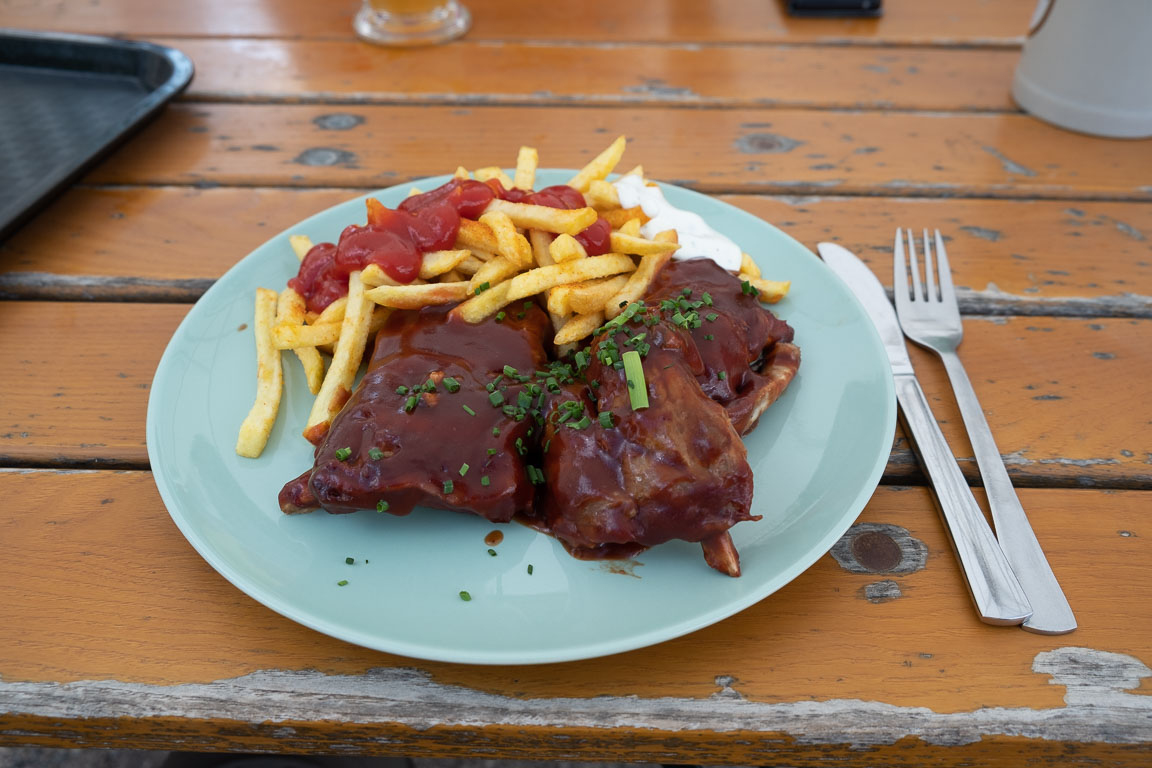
{"x":106,"y":588}
{"x":940,"y":22}
{"x":1017,"y":257}
{"x":778,"y":150}
{"x":1085,"y":422}
{"x":686,"y":75}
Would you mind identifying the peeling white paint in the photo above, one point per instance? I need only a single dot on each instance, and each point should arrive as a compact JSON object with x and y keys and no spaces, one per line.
{"x":1097,"y":706}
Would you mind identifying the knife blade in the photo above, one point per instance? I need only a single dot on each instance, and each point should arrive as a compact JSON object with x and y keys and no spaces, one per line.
{"x":994,"y":588}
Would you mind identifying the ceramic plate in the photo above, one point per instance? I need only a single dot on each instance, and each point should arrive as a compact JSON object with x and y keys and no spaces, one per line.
{"x":817,"y":456}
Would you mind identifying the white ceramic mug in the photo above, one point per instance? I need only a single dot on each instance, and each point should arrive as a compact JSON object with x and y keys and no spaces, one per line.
{"x":1087,"y":65}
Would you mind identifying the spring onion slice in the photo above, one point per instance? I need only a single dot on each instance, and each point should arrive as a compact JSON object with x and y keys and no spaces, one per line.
{"x":634,"y":374}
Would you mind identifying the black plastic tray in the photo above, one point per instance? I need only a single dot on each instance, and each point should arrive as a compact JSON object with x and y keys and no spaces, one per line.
{"x":68,"y":100}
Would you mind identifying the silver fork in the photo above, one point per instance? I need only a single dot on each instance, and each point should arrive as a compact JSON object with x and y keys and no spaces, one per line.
{"x":930,"y":317}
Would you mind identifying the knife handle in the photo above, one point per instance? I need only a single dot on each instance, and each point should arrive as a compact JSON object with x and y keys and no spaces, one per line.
{"x":995,"y":589}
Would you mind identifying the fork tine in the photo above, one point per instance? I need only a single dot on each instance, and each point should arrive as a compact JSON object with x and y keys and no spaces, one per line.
{"x":899,"y":270}
{"x":947,"y":292}
{"x":914,"y":267}
{"x":929,"y":269}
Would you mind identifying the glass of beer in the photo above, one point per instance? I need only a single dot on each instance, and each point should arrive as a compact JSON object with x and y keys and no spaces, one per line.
{"x":411,"y":22}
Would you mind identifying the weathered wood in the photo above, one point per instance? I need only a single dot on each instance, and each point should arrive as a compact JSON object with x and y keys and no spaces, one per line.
{"x":778,"y":150}
{"x":77,"y":397}
{"x":1009,"y":257}
{"x":905,"y":21}
{"x":690,"y":75}
{"x":102,"y":562}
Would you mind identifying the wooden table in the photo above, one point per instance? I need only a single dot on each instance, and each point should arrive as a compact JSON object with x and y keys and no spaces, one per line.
{"x":116,"y":633}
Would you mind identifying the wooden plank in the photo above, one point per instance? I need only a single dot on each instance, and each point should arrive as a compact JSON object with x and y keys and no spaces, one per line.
{"x":905,"y":21}
{"x":76,"y":397}
{"x":776,"y":151}
{"x":679,"y":75}
{"x":856,"y":647}
{"x":1009,"y":257}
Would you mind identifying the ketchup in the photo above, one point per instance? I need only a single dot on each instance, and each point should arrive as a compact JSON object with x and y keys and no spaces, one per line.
{"x":396,"y":239}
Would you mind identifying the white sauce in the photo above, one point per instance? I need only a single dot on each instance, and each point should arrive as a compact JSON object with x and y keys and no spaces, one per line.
{"x":697,"y":239}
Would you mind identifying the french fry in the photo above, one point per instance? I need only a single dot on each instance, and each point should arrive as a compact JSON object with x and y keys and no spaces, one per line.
{"x":557,"y":220}
{"x":437,"y":263}
{"x":536,"y":280}
{"x":453,"y":276}
{"x":417,"y":296}
{"x":748,"y":267}
{"x":559,"y":300}
{"x":540,"y":241}
{"x":591,"y":296}
{"x":373,"y":275}
{"x":601,"y":165}
{"x":493,"y":272}
{"x":470,"y":265}
{"x":510,"y":243}
{"x":526,"y":161}
{"x":601,"y":195}
{"x":579,"y":327}
{"x":333,"y":313}
{"x":461,"y":173}
{"x":630,"y":228}
{"x":257,"y":425}
{"x":290,"y":311}
{"x":637,"y":171}
{"x":565,"y":248}
{"x":492,"y":172}
{"x":618,"y":217}
{"x":337,"y":386}
{"x":379,"y":317}
{"x":483,"y":304}
{"x":769,"y":291}
{"x":639,"y":280}
{"x":638,"y":245}
{"x":301,"y":244}
{"x":300,"y":336}
{"x":474,"y":236}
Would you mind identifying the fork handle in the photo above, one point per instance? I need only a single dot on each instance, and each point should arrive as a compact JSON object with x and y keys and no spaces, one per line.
{"x":995,"y":590}
{"x":1051,"y":614}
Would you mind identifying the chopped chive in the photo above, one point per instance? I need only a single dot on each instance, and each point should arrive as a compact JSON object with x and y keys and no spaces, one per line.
{"x":401,"y":390}
{"x":547,"y":443}
{"x":451,"y":384}
{"x":722,"y":375}
{"x":491,"y":451}
{"x":349,"y":560}
{"x":637,"y":386}
{"x":483,"y":287}
{"x":375,"y":454}
{"x":342,"y":454}
{"x":468,"y":410}
{"x":496,"y":398}
{"x":342,"y":583}
{"x":521,"y":315}
{"x":492,"y":552}
{"x":381,"y":506}
{"x":500,"y":316}
{"x":484,"y":481}
{"x":447,"y":487}
{"x":606,"y":419}
{"x":429,"y":386}
{"x":686,"y":292}
{"x":410,"y":403}
{"x":706,"y":298}
{"x":510,"y":371}
{"x":582,"y":423}
{"x":748,"y":289}
{"x":530,"y":569}
{"x":520,"y":446}
{"x":465,"y":596}
{"x":495,"y":431}
{"x":463,"y":469}
{"x":711,"y":317}
{"x":708,"y":337}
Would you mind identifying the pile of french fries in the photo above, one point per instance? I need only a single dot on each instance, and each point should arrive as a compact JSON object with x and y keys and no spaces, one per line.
{"x":513,"y":252}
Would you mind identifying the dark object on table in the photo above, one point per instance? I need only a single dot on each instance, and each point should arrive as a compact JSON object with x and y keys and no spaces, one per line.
{"x":835,"y":7}
{"x":68,"y":101}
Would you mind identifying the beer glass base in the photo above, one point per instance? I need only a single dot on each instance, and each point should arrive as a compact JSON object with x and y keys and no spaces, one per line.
{"x":449,"y":21}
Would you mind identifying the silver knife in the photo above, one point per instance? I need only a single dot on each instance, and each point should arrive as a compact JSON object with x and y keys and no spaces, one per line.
{"x":995,"y":589}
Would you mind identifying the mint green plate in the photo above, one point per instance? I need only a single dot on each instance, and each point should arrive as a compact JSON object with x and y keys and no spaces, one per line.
{"x":817,"y":456}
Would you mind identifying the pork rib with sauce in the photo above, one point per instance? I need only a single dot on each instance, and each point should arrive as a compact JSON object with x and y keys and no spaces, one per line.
{"x":417,"y":453}
{"x":675,"y":470}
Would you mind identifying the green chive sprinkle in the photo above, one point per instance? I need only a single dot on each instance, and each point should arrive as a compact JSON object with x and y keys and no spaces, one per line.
{"x":465,"y":596}
{"x":410,"y":403}
{"x":483,"y":287}
{"x":484,"y":481}
{"x":748,"y":289}
{"x":342,"y":583}
{"x":349,"y":560}
{"x":706,"y":298}
{"x":606,"y":420}
{"x":451,"y":384}
{"x":496,"y":398}
{"x":492,"y":552}
{"x":708,"y":337}
{"x":375,"y":454}
{"x":447,"y":487}
{"x":491,"y":451}
{"x":463,"y":469}
{"x":401,"y":390}
{"x":529,"y":569}
{"x":722,"y":375}
{"x":510,"y":371}
{"x":342,"y":454}
{"x":468,"y":410}
{"x":495,"y":431}
{"x":711,"y":317}
{"x":637,"y":386}
{"x":500,"y":316}
{"x":381,"y":506}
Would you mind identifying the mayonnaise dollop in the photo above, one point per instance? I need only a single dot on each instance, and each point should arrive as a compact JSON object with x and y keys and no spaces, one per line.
{"x":697,"y":239}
